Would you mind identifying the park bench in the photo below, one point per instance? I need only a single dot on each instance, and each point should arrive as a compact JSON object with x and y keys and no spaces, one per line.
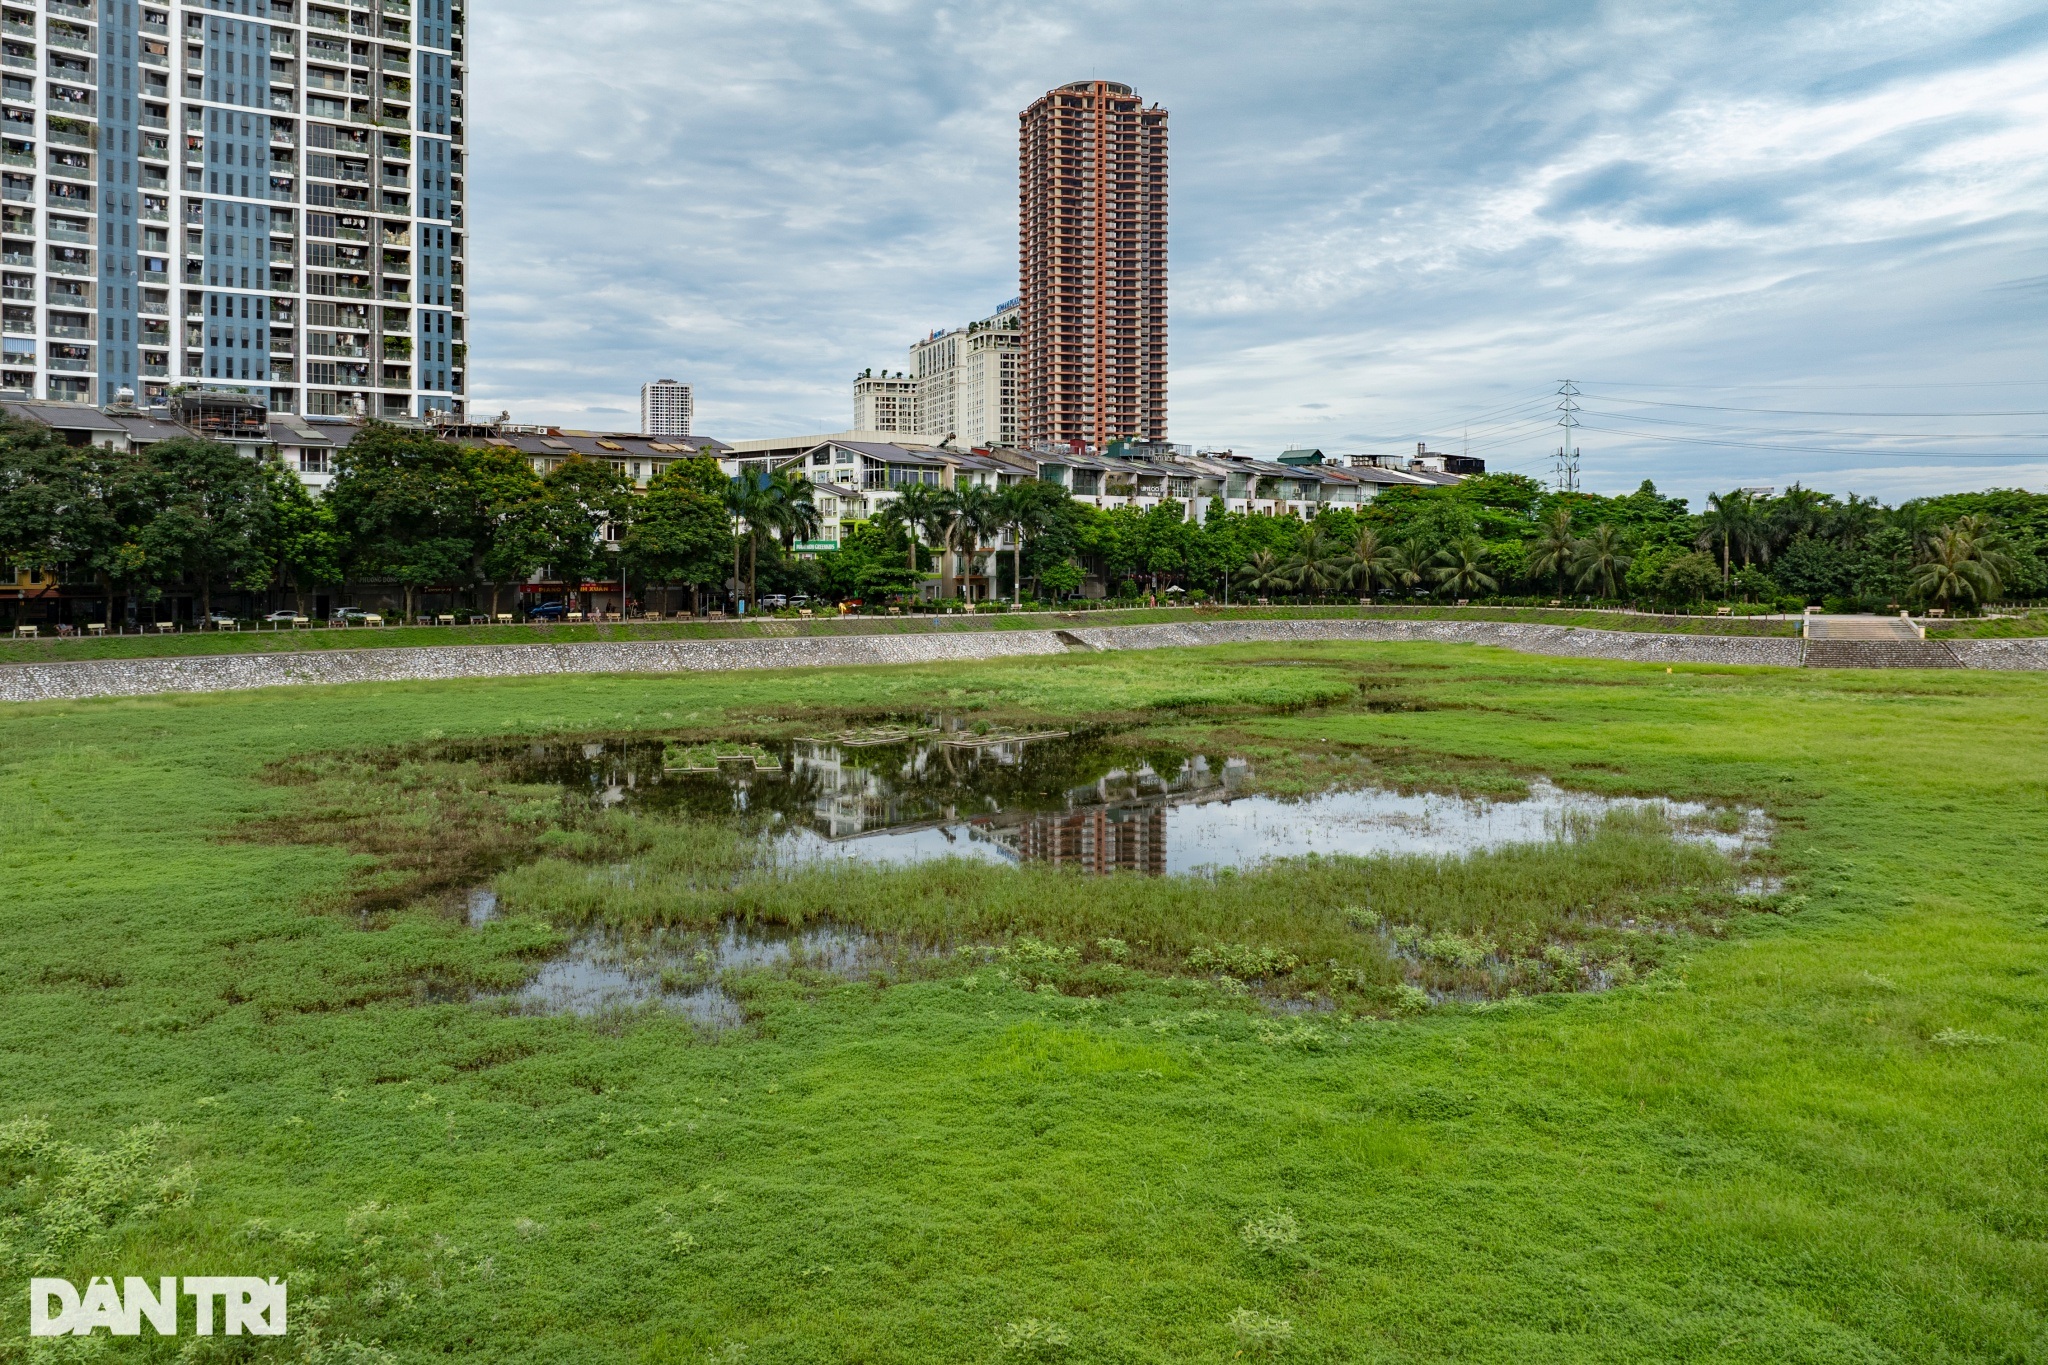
{"x":478,"y":620}
{"x":165,"y":627}
{"x":1464,"y":601}
{"x":504,"y":618}
{"x":1724,"y":611}
{"x":95,"y":627}
{"x":24,"y":632}
{"x":446,"y":618}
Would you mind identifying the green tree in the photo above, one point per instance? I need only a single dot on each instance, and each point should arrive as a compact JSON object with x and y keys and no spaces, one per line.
{"x":678,"y":532}
{"x":1266,"y":571}
{"x":582,"y":501}
{"x":1316,"y":565}
{"x":308,"y":549}
{"x":978,"y":513}
{"x":1367,"y":560}
{"x":406,"y":507}
{"x":1951,"y":572}
{"x":1690,"y":577}
{"x":1550,"y":554}
{"x":1461,"y":568}
{"x":215,"y":522}
{"x":1600,"y":561}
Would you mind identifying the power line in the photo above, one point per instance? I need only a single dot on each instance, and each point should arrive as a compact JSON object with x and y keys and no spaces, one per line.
{"x":1813,"y":431}
{"x":1828,"y":450}
{"x":1811,"y":412}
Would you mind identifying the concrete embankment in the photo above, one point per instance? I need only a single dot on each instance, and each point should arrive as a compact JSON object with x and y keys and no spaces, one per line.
{"x":222,"y":673}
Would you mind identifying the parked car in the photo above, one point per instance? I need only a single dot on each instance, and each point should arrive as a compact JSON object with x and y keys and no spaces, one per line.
{"x":800,"y":599}
{"x":547,"y":611}
{"x":220,"y":620}
{"x":773,"y":601}
{"x":284,"y":618}
{"x":353,"y":616}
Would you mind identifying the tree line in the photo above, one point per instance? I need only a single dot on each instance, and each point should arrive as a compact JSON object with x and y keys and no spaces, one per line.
{"x":407,"y":513}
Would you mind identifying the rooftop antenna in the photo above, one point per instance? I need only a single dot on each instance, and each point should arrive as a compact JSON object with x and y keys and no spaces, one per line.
{"x":1567,"y":467}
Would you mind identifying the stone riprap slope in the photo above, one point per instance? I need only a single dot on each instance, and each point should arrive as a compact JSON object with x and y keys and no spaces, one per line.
{"x":1566,"y":641}
{"x":2028,"y":654}
{"x":219,"y":673}
{"x":226,"y":673}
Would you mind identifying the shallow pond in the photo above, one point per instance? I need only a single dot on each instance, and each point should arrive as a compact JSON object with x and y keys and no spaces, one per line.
{"x":1082,"y":802}
{"x":605,"y":970}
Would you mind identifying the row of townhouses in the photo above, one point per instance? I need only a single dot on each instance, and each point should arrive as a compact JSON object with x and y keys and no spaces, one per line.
{"x":856,"y":473}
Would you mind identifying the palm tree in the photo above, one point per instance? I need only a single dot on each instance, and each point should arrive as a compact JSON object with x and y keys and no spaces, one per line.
{"x":910,"y":509}
{"x":1731,"y":521}
{"x":1026,"y":514}
{"x":1264,"y":572}
{"x":1367,"y":562}
{"x":1460,"y":568}
{"x":1408,"y":563}
{"x":1599,"y":561}
{"x":746,"y":508}
{"x":788,"y":512}
{"x":1993,"y":550}
{"x":1315,"y":566}
{"x":1952,"y":571}
{"x":978,"y":513}
{"x":1551,"y":552}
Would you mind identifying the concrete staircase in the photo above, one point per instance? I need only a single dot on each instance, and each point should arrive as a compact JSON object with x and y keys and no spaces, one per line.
{"x":1872,"y":642}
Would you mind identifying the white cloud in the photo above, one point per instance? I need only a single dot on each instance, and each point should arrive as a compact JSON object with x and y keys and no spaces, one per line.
{"x":1383,"y":217}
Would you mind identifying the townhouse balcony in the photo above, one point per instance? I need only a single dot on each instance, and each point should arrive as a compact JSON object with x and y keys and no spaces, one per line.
{"x":18,"y":159}
{"x":25,"y":292}
{"x":160,"y":60}
{"x":17,"y":28}
{"x":155,"y":308}
{"x":70,"y":333}
{"x":18,"y":61}
{"x":19,"y":326}
{"x":152,"y":26}
{"x":68,"y":11}
{"x":71,"y":137}
{"x":155,"y":370}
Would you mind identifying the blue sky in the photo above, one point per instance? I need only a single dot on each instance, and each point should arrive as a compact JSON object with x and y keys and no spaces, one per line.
{"x":1770,"y":242}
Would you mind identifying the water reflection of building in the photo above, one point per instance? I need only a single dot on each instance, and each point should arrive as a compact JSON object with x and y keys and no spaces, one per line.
{"x":1116,"y":823}
{"x":1098,"y":839}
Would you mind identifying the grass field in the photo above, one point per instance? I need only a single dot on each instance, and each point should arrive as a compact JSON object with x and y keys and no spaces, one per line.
{"x":1810,"y":1131}
{"x":53,"y":650}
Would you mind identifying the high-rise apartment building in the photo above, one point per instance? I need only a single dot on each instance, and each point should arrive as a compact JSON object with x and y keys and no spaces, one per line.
{"x":935,"y":365}
{"x":257,"y":194}
{"x":885,"y":402}
{"x":987,"y":384}
{"x":966,"y":380}
{"x":665,"y":408}
{"x":1092,"y":263}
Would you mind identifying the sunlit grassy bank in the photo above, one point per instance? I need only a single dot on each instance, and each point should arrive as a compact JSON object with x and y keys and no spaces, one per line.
{"x":1814,"y":1138}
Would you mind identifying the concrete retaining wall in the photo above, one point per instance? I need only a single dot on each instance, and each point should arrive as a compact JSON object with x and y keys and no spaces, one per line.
{"x":222,"y":673}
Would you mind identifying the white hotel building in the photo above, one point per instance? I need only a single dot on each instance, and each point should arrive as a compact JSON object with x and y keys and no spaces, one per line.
{"x":263,"y":195}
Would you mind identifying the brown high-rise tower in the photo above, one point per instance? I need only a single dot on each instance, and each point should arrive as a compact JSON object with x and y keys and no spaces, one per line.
{"x":1092,"y":230}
